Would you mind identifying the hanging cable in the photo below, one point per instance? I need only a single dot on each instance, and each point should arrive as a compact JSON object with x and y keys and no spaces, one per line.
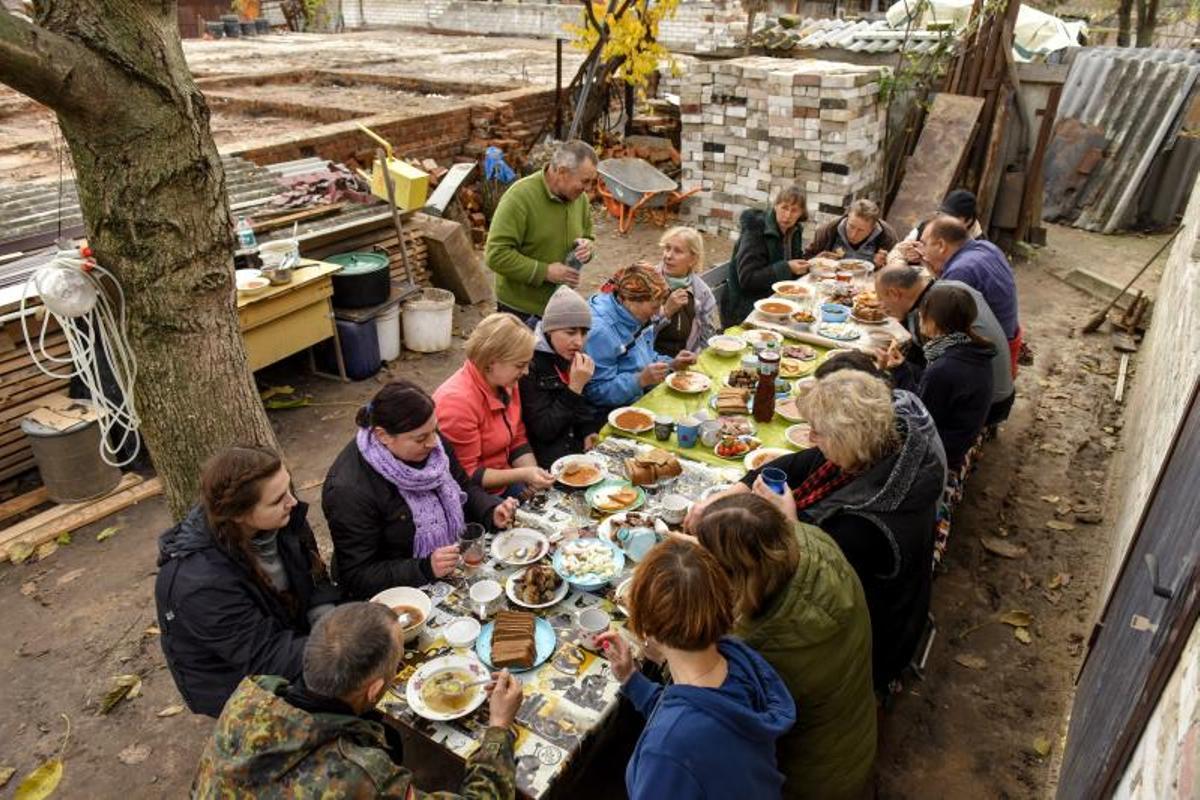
{"x":77,"y":294}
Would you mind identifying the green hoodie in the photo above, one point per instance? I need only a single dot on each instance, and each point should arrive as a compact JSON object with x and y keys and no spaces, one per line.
{"x":531,"y":230}
{"x":265,"y":748}
{"x":816,"y":633}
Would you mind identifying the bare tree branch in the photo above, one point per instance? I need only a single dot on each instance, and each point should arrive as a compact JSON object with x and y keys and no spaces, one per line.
{"x":49,"y":68}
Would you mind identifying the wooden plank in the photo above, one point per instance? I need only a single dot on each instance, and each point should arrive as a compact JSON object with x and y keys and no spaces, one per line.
{"x":1031,"y":200}
{"x":935,"y":163}
{"x":22,"y":503}
{"x":69,"y":516}
{"x":993,"y":161}
{"x":299,"y":216}
{"x":19,"y":468}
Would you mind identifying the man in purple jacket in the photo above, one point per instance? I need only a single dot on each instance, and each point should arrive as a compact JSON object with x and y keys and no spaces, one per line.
{"x":951,"y":254}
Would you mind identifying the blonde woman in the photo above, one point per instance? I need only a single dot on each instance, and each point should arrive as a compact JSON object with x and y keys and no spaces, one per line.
{"x":690,"y":315}
{"x":479,"y":408}
{"x":871,"y":480}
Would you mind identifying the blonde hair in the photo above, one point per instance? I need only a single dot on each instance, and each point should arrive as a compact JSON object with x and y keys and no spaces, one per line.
{"x":853,"y":412}
{"x":691,"y":239}
{"x":500,"y":338}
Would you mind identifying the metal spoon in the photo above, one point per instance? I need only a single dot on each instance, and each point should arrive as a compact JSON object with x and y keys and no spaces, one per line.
{"x":455,"y":686}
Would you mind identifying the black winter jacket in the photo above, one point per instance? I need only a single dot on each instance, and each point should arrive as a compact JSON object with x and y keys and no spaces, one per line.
{"x":758,"y":262}
{"x":957,"y":390}
{"x":556,"y":419}
{"x":372,"y":527}
{"x":218,"y":625}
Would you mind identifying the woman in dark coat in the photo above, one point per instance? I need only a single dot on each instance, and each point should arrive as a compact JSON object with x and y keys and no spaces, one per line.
{"x":769,"y":249}
{"x":240,"y":582}
{"x":558,"y":420}
{"x":396,"y":498}
{"x":956,"y":382}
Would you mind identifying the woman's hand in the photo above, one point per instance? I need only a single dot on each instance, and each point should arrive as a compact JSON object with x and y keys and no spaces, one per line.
{"x":537,"y":478}
{"x":785,"y":502}
{"x":619,"y":654}
{"x":677,"y":300}
{"x":504,"y":514}
{"x":653,"y":374}
{"x":505,"y":699}
{"x":590,"y":442}
{"x":582,"y":369}
{"x":891,"y":358}
{"x":444,"y":560}
{"x":798,"y":266}
{"x":685,"y":359}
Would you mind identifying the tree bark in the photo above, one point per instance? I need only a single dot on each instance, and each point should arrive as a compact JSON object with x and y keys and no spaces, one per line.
{"x":156,"y":213}
{"x":1147,"y":21}
{"x":1124,"y":22}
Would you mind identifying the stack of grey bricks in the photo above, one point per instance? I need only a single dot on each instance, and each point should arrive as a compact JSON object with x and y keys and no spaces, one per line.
{"x":754,"y":125}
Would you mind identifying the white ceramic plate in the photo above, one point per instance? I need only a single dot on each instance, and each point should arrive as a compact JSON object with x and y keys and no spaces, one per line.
{"x":862,"y":321}
{"x":838,"y":331}
{"x":689,"y":382}
{"x":560,"y":466}
{"x":779,"y":308}
{"x":616,"y":413}
{"x":798,"y":435}
{"x":757,"y":458}
{"x":725,"y":345}
{"x":609,"y":527}
{"x":761,"y":337}
{"x":520,"y":547}
{"x":784,"y":408}
{"x":510,"y":589}
{"x":791,"y":290}
{"x":425,"y":672}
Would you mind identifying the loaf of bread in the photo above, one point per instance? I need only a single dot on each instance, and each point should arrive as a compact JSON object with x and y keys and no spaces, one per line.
{"x":652,"y":466}
{"x":513,"y":640}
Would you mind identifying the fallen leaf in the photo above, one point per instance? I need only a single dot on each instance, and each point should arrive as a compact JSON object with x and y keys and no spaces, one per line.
{"x":153,"y":630}
{"x":134,"y":754}
{"x":64,"y":538}
{"x":1041,"y":746}
{"x":1023,"y":635}
{"x":1052,"y":499}
{"x":1026,"y":580}
{"x":6,"y":774}
{"x":19,"y":552}
{"x":45,"y":550}
{"x":29,"y":588}
{"x":971,"y":662}
{"x":999,"y":547}
{"x":70,"y":576}
{"x":1018,"y":619}
{"x":1059,"y":581}
{"x":1058,"y":525}
{"x":124,"y":687}
{"x":42,"y":782}
{"x":276,"y":391}
{"x":107,"y":533}
{"x":170,"y":711}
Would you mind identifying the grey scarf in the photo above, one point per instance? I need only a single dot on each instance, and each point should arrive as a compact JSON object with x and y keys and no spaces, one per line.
{"x":936,"y":348}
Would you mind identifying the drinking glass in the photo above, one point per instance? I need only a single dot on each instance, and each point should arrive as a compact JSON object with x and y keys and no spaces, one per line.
{"x":470,"y":546}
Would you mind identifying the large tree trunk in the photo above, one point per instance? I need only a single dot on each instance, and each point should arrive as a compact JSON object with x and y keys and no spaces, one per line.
{"x":1124,"y":22}
{"x":1147,"y":21}
{"x":152,"y":192}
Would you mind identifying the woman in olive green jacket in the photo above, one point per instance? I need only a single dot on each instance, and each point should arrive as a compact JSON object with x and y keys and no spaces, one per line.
{"x":800,"y":604}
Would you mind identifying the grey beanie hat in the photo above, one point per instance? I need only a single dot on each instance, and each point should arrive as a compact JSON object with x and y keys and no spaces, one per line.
{"x":566,"y":309}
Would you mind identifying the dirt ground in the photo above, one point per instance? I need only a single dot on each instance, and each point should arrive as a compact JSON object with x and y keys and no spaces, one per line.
{"x":86,"y":614}
{"x":28,"y":130}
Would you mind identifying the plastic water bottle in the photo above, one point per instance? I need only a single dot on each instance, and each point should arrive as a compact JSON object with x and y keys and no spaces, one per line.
{"x":245,"y":234}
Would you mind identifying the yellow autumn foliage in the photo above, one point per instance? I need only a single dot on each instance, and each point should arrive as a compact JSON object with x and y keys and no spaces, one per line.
{"x":633,"y":34}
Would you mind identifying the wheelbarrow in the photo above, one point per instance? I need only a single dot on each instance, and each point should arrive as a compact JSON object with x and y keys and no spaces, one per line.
{"x":630,"y":185}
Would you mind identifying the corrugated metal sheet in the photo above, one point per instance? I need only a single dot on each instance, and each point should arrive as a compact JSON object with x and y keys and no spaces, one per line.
{"x":861,"y":36}
{"x":1138,"y":98}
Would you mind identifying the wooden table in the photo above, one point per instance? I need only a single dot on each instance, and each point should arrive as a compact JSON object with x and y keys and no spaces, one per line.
{"x":282,"y":320}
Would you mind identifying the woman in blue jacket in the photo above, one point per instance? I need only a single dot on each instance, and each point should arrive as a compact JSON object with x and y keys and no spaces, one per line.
{"x":712,"y":733}
{"x":621,"y":341}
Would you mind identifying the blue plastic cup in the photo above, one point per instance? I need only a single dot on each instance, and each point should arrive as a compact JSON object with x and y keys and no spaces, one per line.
{"x":687,"y":432}
{"x":775,"y":479}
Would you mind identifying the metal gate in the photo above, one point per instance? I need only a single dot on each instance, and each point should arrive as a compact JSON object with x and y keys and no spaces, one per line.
{"x":1149,"y":616}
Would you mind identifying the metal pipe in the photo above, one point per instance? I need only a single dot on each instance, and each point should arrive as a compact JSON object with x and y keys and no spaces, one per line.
{"x":558,"y":45}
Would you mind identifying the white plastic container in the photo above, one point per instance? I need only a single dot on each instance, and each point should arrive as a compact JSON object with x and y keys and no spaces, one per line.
{"x":387,"y":325}
{"x":429,"y":321}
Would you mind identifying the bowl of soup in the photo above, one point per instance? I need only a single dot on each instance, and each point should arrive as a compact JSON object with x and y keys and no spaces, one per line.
{"x":410,"y":602}
{"x":777,"y":309}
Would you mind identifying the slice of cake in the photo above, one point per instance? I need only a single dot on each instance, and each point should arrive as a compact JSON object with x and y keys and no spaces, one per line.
{"x":513,"y":640}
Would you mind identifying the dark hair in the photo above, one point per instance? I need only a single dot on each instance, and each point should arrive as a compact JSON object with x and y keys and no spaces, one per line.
{"x":960,"y":203}
{"x":230,"y":486}
{"x":755,"y":545}
{"x":953,"y":310}
{"x":850,"y":359}
{"x":349,"y":646}
{"x":793,"y":195}
{"x":680,"y":596}
{"x":948,"y":229}
{"x":398,"y":407}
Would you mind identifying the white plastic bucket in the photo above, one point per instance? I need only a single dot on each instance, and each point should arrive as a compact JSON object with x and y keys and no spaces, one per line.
{"x":387,"y":325}
{"x":429,"y":321}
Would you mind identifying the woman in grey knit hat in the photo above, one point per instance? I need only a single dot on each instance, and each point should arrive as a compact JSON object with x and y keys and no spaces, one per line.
{"x":558,"y":420}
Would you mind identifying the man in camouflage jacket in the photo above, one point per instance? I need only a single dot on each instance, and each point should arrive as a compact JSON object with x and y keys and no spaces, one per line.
{"x":278,"y":740}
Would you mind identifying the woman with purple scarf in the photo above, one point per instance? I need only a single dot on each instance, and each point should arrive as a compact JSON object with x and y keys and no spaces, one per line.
{"x":396,"y":497}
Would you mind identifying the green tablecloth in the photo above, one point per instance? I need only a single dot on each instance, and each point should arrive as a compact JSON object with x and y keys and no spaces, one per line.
{"x":663,"y":400}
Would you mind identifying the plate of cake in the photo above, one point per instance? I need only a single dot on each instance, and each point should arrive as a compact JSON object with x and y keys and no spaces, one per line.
{"x":516,"y":641}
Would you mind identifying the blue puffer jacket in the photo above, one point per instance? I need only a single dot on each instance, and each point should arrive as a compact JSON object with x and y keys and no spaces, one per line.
{"x":621,"y":347}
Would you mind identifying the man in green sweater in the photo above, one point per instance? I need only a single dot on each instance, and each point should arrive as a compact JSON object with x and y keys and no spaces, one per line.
{"x":540,"y":222}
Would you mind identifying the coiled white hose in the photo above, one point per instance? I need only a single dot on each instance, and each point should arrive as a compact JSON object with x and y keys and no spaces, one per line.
{"x":72,"y":288}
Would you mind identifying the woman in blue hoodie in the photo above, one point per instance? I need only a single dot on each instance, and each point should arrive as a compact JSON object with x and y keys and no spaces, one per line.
{"x":713,"y":732}
{"x":621,"y":341}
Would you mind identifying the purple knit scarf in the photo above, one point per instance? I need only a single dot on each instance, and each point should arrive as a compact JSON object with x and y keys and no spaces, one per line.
{"x":432,"y":494}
